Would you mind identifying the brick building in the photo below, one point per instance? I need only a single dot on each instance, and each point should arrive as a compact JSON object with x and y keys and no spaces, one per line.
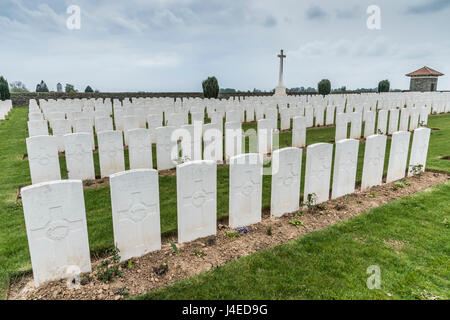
{"x":424,"y":79}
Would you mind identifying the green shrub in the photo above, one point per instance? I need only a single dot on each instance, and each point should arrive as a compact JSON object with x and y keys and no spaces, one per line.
{"x":324,"y":87}
{"x":4,"y":89}
{"x":88,"y":89}
{"x":18,"y":87}
{"x":42,"y":87}
{"x":210,"y":88}
{"x":70,"y":88}
{"x":384,"y":86}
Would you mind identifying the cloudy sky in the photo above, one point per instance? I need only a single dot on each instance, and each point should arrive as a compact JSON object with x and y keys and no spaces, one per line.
{"x":172,"y":45}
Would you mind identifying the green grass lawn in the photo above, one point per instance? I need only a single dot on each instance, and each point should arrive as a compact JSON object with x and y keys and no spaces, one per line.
{"x":408,"y":239}
{"x":14,"y":255}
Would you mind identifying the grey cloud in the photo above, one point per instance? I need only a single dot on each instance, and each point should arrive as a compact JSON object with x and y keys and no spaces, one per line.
{"x":270,"y":21}
{"x":315,"y":12}
{"x":349,"y":13}
{"x":429,"y":6}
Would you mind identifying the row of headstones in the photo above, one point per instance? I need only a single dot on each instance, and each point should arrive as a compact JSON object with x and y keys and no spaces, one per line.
{"x":405,"y":119}
{"x":43,"y":149}
{"x":55,"y":214}
{"x":80,"y":163}
{"x":5,"y":108}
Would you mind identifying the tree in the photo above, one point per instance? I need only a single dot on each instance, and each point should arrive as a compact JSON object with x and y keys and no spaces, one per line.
{"x":88,"y":89}
{"x":4,"y":89}
{"x":42,"y":87}
{"x":18,"y":87}
{"x":70,"y":88}
{"x":210,"y":88}
{"x":324,"y":87}
{"x":384,"y":86}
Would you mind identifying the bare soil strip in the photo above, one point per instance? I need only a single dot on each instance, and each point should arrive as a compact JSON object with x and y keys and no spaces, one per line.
{"x":161,"y":268}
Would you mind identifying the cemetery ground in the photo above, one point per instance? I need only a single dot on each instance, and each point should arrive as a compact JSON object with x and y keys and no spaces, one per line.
{"x":408,"y":234}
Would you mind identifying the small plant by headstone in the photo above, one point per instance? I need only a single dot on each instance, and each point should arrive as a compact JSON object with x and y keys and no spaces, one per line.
{"x":296,"y":223}
{"x":123,"y":292}
{"x":129,"y":264}
{"x":373,"y":194}
{"x":174,"y":247}
{"x":199,"y":253}
{"x":231,"y":235}
{"x":398,"y":185}
{"x":109,"y":270}
{"x":269,"y":231}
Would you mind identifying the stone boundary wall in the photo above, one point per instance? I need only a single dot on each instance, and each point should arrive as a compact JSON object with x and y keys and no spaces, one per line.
{"x":22,"y":99}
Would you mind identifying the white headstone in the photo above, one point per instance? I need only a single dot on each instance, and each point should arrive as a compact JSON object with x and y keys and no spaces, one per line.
{"x":43,"y":159}
{"x":330,"y":110}
{"x":213,"y":142}
{"x":135,"y":210}
{"x":414,"y":123}
{"x":356,"y":125}
{"x":140,"y":149}
{"x":196,"y":200}
{"x":286,"y":172}
{"x":319,"y":115}
{"x":166,"y":148}
{"x":393,"y":120}
{"x":341,"y":126}
{"x":398,"y":156}
{"x":61,"y":128}
{"x":233,"y":139}
{"x":299,"y":132}
{"x":37,"y":128}
{"x":309,"y":115}
{"x":233,"y":116}
{"x":55,"y":220}
{"x":176,"y":120}
{"x":35,"y":116}
{"x":245,"y":190}
{"x":345,"y":164}
{"x":191,"y":143}
{"x":265,"y":136}
{"x":419,"y":150}
{"x":373,"y":161}
{"x":79,"y":158}
{"x":84,"y":125}
{"x":318,"y":172}
{"x":382,"y":121}
{"x":285,"y":117}
{"x":130,"y":123}
{"x":404,"y":119}
{"x":369,"y":126}
{"x":110,"y":152}
{"x":103,"y":124}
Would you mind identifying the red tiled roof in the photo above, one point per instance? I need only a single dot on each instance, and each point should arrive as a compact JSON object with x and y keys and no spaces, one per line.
{"x":425,"y":71}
